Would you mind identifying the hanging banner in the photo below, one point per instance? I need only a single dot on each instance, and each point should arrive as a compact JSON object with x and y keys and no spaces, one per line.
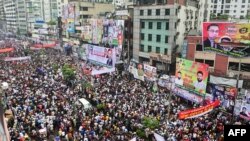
{"x":137,"y":70}
{"x":193,"y":113}
{"x":242,"y":106}
{"x":44,"y":45}
{"x":187,"y":95}
{"x":191,"y":75}
{"x":17,"y":58}
{"x":150,"y":72}
{"x":4,"y":50}
{"x":225,"y":94}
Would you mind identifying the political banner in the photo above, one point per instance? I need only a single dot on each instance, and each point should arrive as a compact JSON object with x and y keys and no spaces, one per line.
{"x":242,"y":106}
{"x":103,"y":58}
{"x":137,"y":70}
{"x":97,"y":30}
{"x":17,"y":58}
{"x":87,"y":33}
{"x":225,"y":94}
{"x":187,"y":95}
{"x":193,"y":113}
{"x":150,"y":72}
{"x":4,"y":50}
{"x":230,"y":39}
{"x":191,"y":76}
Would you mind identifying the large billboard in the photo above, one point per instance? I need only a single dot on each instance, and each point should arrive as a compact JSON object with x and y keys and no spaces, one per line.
{"x":108,"y":32}
{"x":103,"y":58}
{"x":191,"y":76}
{"x":231,"y":39}
{"x":226,"y":94}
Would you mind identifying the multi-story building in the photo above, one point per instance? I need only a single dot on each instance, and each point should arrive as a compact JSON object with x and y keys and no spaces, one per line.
{"x":10,"y":15}
{"x":2,"y":16}
{"x":232,"y":8}
{"x":160,"y":28}
{"x":219,"y":65}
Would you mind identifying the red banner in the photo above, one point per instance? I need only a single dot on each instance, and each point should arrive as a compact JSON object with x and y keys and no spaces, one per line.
{"x":44,"y":45}
{"x":6,"y":50}
{"x":198,"y":111}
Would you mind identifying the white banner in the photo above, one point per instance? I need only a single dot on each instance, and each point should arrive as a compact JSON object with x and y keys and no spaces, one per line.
{"x":17,"y":58}
{"x":159,"y":137}
{"x":225,"y":81}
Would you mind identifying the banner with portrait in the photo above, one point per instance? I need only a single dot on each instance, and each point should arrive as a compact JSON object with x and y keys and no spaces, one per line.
{"x":191,"y":76}
{"x":137,"y":70}
{"x":103,"y":59}
{"x":150,"y":72}
{"x":226,"y":94}
{"x":230,"y":39}
{"x":187,"y":95}
{"x":97,"y":30}
{"x":87,"y":33}
{"x":242,"y":106}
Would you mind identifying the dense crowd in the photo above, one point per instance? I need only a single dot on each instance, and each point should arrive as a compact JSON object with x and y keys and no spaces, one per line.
{"x":45,"y":107}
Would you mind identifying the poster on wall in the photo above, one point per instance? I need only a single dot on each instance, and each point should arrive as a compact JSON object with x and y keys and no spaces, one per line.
{"x":150,"y":72}
{"x":226,"y":94}
{"x":230,"y":39}
{"x":191,"y":75}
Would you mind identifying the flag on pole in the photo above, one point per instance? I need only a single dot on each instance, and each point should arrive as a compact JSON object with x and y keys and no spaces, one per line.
{"x":159,"y":137}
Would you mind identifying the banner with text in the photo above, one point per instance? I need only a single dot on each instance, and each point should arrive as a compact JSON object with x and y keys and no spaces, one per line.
{"x":191,"y":75}
{"x":150,"y":72}
{"x":230,"y":39}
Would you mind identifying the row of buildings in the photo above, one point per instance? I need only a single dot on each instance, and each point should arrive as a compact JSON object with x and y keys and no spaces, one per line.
{"x":156,"y":30}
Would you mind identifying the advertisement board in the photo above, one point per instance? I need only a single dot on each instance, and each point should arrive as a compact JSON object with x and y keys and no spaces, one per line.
{"x":231,"y":39}
{"x":150,"y":72}
{"x":225,"y":94}
{"x":191,"y":76}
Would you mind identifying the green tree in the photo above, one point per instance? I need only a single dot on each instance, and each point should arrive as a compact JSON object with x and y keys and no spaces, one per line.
{"x":51,"y":23}
{"x":68,"y":73}
{"x":150,"y":122}
{"x":212,"y":16}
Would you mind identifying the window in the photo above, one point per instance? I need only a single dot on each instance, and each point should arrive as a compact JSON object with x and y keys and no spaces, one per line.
{"x":158,"y":25}
{"x":158,"y":12}
{"x":141,"y":12}
{"x":142,"y":25}
{"x":199,"y":60}
{"x":149,"y":48}
{"x":226,"y":11}
{"x":158,"y":50}
{"x":166,"y":39}
{"x":167,"y":11}
{"x":243,"y":1}
{"x":233,"y":66}
{"x":199,"y":47}
{"x":83,"y":8}
{"x":215,"y":6}
{"x":142,"y":48}
{"x":234,"y":11}
{"x":242,"y":6}
{"x":241,"y":11}
{"x":149,"y":37}
{"x":142,"y":36}
{"x":210,"y":62}
{"x":228,"y":6}
{"x":158,"y":38}
{"x":245,"y":67}
{"x":150,"y":25}
{"x":228,"y":1}
{"x":149,"y":12}
{"x":165,"y":51}
{"x":167,"y":25}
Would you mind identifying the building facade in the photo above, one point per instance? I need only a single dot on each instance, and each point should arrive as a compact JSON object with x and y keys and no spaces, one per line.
{"x":10,"y":15}
{"x":2,"y":16}
{"x":160,"y":27}
{"x":219,"y":65}
{"x":233,"y":8}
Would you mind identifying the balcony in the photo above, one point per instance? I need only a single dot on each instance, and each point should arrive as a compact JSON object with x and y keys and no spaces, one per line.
{"x":160,"y":57}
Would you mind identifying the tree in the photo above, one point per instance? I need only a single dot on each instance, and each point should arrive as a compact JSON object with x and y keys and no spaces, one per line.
{"x":51,"y":23}
{"x":212,"y":16}
{"x":150,"y":122}
{"x":68,"y":73}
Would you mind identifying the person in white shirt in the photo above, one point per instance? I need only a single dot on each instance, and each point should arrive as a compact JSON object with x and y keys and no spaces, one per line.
{"x":199,"y":84}
{"x":178,"y":79}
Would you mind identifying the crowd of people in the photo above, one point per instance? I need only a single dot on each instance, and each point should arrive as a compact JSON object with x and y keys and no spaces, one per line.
{"x":45,"y":107}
